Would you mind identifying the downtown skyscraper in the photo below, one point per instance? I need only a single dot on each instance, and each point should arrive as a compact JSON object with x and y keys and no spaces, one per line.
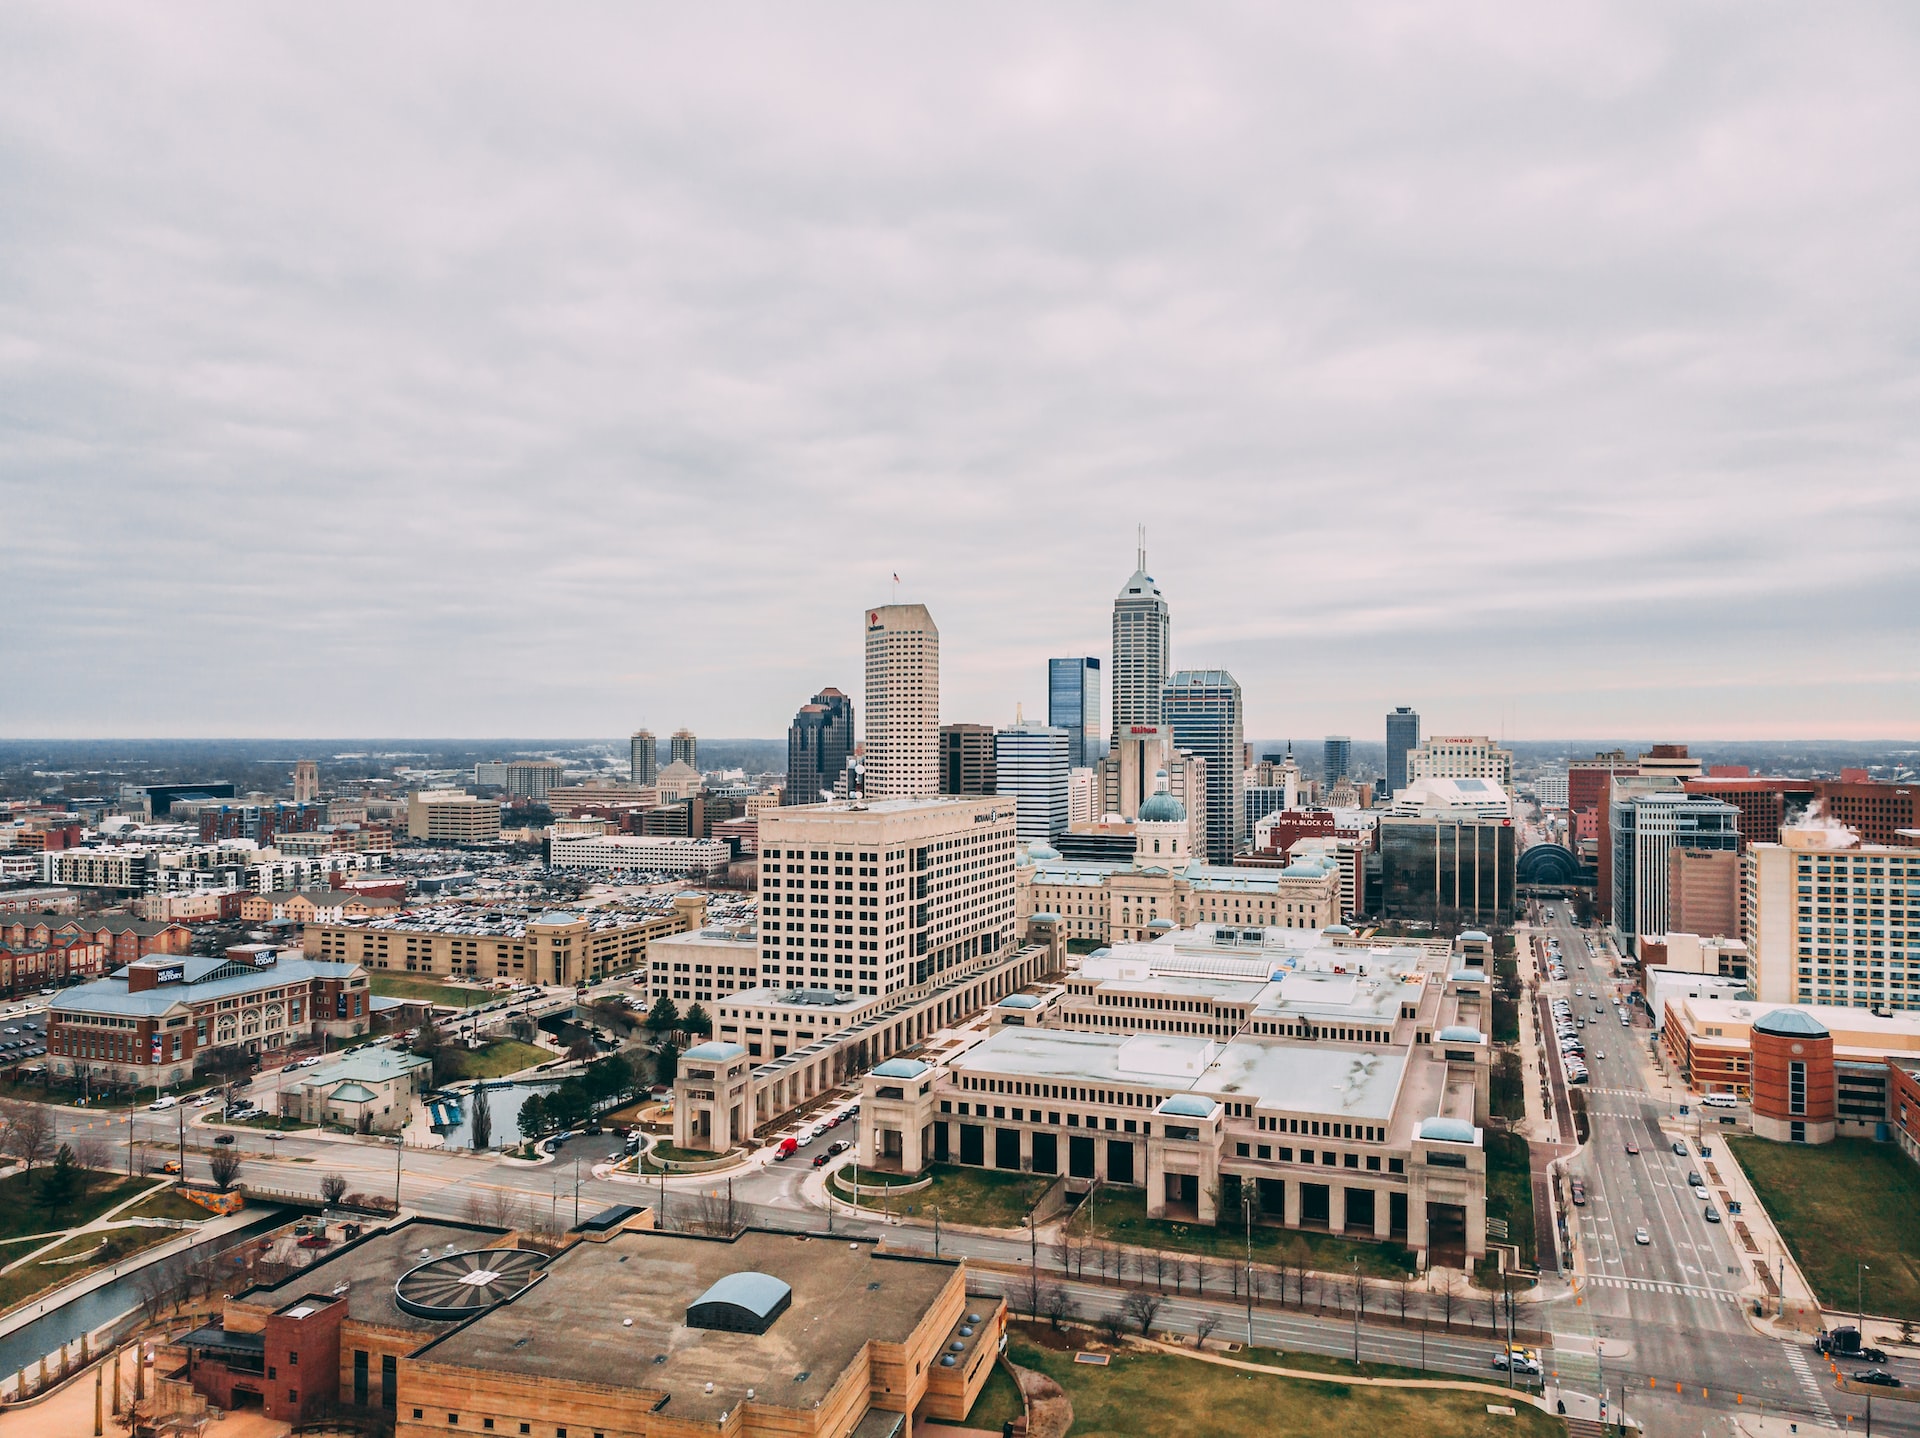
{"x":901,"y":757}
{"x":819,"y":743}
{"x":1204,"y":710}
{"x":1403,"y":737}
{"x":1142,"y":650}
{"x":1073,"y":704}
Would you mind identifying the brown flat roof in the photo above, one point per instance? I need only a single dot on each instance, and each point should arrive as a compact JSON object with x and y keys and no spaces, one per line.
{"x":571,"y":1325}
{"x":370,"y":1266}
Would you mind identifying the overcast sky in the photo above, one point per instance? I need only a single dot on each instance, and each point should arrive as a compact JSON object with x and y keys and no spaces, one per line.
{"x":454,"y":371}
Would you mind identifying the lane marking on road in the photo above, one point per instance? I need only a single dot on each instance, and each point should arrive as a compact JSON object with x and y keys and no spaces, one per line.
{"x":1809,"y":1384}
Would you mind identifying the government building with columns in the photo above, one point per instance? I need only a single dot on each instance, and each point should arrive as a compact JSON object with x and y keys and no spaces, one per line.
{"x":1333,"y":1083}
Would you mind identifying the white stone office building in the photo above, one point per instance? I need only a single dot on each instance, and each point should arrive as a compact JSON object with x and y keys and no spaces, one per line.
{"x":1340,"y":1086}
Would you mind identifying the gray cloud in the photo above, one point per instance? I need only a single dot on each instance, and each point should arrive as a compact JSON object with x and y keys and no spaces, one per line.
{"x":458,"y":371}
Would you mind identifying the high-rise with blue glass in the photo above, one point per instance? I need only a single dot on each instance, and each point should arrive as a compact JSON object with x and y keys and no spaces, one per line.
{"x":1073,"y":704}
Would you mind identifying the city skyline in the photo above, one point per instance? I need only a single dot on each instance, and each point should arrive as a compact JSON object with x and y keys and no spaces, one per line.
{"x":1539,"y":387}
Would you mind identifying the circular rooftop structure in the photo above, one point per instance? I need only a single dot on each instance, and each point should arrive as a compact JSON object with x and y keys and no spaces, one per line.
{"x":1791,"y":1024}
{"x":459,"y":1285}
{"x":1042,"y":850}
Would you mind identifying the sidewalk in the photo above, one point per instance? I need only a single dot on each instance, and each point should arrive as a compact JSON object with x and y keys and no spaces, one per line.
{"x":99,"y":1224}
{"x":46,"y":1303}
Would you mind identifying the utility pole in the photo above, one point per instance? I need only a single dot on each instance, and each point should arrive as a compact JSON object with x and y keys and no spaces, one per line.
{"x":1356,"y":1310}
{"x":576,"y":1191}
{"x":1246,"y":1209}
{"x":936,"y":1233}
{"x":1860,"y":1297}
{"x":399,"y":1150}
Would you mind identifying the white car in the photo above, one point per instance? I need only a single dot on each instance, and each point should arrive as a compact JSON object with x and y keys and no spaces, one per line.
{"x":308,"y":1063}
{"x":1642,"y":1237}
{"x":1700,"y":1192}
{"x":161,"y":1104}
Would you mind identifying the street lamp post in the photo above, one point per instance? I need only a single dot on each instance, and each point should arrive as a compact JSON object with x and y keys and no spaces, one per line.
{"x":1860,"y":1297}
{"x":1356,"y":1310}
{"x":1246,"y":1209}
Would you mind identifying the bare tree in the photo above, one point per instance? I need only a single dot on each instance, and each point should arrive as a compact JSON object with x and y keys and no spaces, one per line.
{"x":1200,"y":1276}
{"x":26,"y":1132}
{"x":1406,"y":1286}
{"x":159,"y":1285}
{"x":1159,"y":1261}
{"x":333,"y":1188}
{"x":503,"y":1209}
{"x":1203,"y":1330}
{"x":1141,"y":1308}
{"x":223,"y":1167}
{"x":1058,"y":1305}
{"x":1183,"y":1269}
{"x":1449,"y":1292}
{"x":1359,"y":1294}
{"x":93,"y":1157}
{"x":1113,"y":1323}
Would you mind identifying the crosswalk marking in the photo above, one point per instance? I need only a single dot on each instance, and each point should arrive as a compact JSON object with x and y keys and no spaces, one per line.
{"x":1803,"y":1370}
{"x":1658,"y":1285}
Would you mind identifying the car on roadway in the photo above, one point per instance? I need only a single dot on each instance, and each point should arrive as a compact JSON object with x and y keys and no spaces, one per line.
{"x":786,"y":1150}
{"x":1680,"y":1148}
{"x":1519,"y":1360}
{"x":1632,"y":1147}
{"x":1600,"y":1054}
{"x":205,"y":1099}
{"x":172,"y":1165}
{"x":1712,"y":1214}
{"x":160,"y":1105}
{"x":820,"y":1159}
{"x":223,"y":1138}
{"x":309,"y":1061}
{"x":1700,"y":1192}
{"x":1642,"y":1237}
{"x":1873,"y":1378}
{"x":1579,"y":1194}
{"x":840,"y":1145}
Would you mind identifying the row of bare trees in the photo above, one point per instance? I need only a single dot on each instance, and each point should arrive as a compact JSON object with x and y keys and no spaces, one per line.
{"x":1290,"y":1281}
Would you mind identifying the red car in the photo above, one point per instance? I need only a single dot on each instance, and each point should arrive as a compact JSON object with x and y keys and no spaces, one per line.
{"x":1632,"y":1147}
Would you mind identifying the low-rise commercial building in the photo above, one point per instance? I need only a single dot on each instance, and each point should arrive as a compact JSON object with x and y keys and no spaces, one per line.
{"x":556,"y":947}
{"x":444,"y":1327}
{"x":452,"y":816}
{"x":153,"y":1020}
{"x":370,"y":1090}
{"x":683,"y":857}
{"x":1812,"y":1071}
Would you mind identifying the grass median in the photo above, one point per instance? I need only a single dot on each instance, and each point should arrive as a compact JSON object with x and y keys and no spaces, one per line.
{"x":1840,"y":1204}
{"x":1141,"y":1394}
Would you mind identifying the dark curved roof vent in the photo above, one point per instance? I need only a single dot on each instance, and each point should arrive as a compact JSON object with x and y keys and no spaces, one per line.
{"x":745,"y":1302}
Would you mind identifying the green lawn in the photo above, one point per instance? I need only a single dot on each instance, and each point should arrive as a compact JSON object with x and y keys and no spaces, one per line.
{"x":1140,"y":1394}
{"x":424,"y":988}
{"x":280,"y":1123}
{"x":978,"y":1196}
{"x":1510,"y":1188}
{"x":1506,"y":1021}
{"x":20,"y":1210}
{"x":1120,"y":1216}
{"x":497,"y":1059}
{"x":1848,"y":1201}
{"x":166,"y":1204}
{"x":1323,"y":1363}
{"x":999,"y":1402}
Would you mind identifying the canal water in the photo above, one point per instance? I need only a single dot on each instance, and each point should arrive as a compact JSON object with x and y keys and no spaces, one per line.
{"x":28,"y":1345}
{"x":504,"y":1101}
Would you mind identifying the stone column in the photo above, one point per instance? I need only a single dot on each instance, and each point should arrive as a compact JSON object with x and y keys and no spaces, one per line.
{"x":1292,"y":1204}
{"x":1336,"y":1207}
{"x":1382,"y":1213}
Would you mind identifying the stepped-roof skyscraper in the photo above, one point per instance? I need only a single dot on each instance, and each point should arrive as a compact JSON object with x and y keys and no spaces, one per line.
{"x":1142,"y":648}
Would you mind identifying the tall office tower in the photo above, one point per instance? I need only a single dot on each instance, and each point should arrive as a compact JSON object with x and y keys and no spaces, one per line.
{"x":642,"y":761}
{"x":819,"y":743}
{"x":306,"y":781}
{"x":1203,"y":710}
{"x":951,"y":904}
{"x":1646,"y":828}
{"x":1031,"y":765}
{"x":1337,"y":759}
{"x":1801,"y":954}
{"x":1403,"y":733}
{"x":902,"y":753}
{"x":1142,"y":646}
{"x":966,"y":759}
{"x":1073,"y":704}
{"x":683,"y":748}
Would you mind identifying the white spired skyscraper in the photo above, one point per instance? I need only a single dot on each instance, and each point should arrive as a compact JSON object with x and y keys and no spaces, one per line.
{"x":901,"y":759}
{"x":1142,"y":645}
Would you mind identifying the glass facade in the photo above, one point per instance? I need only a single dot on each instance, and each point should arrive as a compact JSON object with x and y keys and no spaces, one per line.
{"x":1403,"y":736}
{"x":1337,"y":759}
{"x":1203,"y":709}
{"x":1073,"y":704}
{"x":1446,"y":872}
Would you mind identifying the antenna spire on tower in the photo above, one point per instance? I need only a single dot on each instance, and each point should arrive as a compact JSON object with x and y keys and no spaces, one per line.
{"x":1142,"y":556}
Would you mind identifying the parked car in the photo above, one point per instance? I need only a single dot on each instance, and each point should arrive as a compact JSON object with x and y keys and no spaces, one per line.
{"x":1579,"y":1194}
{"x":160,"y":1104}
{"x":1712,"y":1214}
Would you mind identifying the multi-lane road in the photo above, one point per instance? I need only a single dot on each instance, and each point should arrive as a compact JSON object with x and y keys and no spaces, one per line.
{"x":1645,"y":1317}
